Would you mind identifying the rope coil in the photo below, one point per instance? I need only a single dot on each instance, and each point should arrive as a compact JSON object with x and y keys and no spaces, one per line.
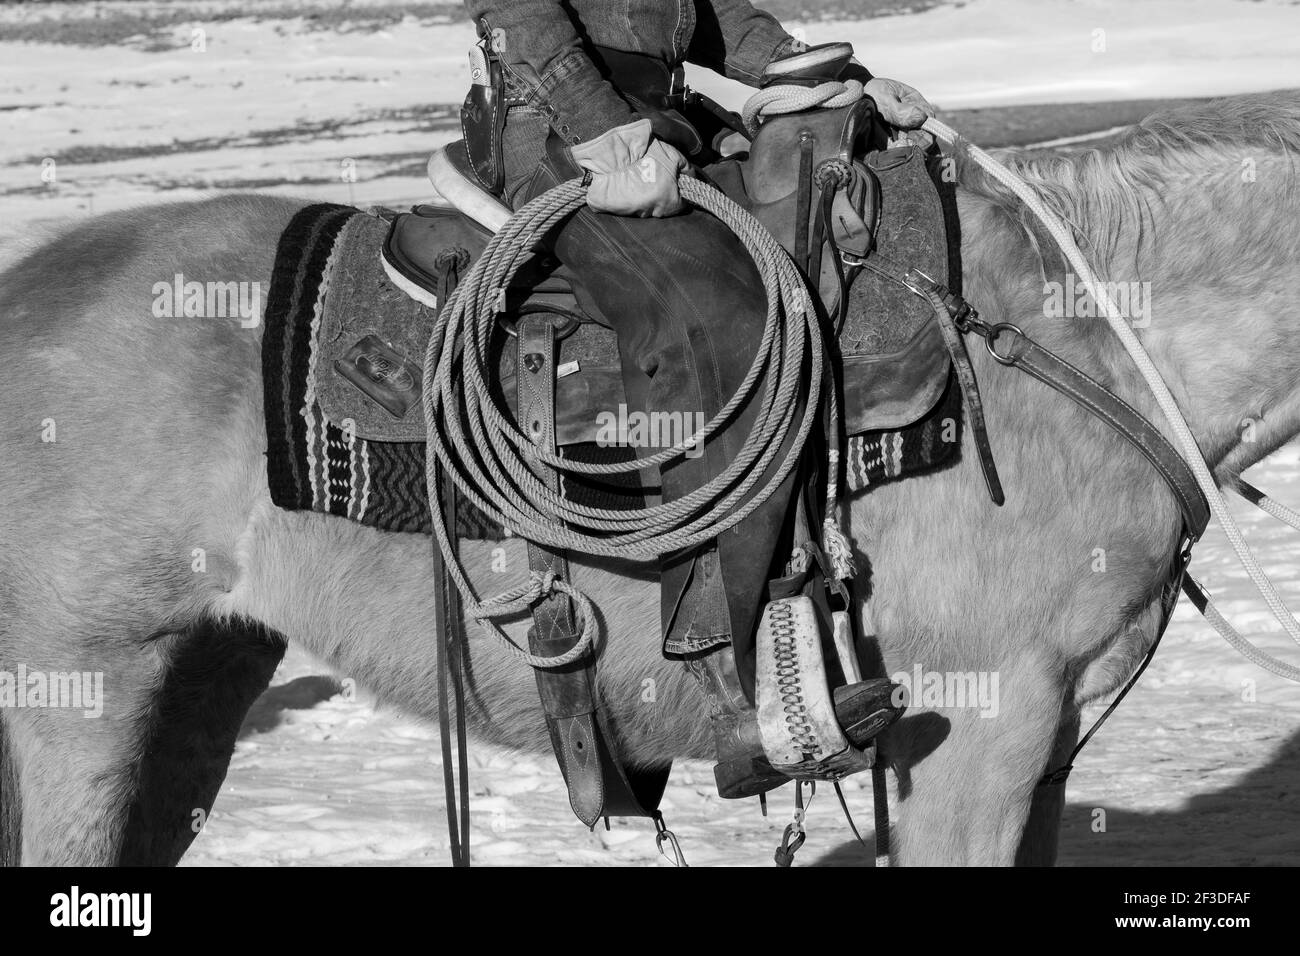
{"x":496,"y":467}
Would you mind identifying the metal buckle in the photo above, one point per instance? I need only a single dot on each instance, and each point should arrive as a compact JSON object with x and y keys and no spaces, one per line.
{"x":562,"y":330}
{"x":991,"y":336}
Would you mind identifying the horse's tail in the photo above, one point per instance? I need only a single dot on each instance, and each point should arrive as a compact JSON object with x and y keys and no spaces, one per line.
{"x":11,"y":808}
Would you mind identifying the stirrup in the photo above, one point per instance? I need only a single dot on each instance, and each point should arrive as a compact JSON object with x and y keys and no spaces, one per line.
{"x":808,"y":731}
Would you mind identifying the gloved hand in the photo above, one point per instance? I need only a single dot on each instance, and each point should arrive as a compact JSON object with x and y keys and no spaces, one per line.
{"x":898,"y":103}
{"x":633,"y":174}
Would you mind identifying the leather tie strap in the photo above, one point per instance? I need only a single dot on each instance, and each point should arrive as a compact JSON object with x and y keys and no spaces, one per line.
{"x":598,"y":784}
{"x":449,"y":624}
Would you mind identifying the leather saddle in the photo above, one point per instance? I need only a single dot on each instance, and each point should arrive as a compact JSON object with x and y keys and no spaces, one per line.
{"x":831,"y":196}
{"x":894,"y":364}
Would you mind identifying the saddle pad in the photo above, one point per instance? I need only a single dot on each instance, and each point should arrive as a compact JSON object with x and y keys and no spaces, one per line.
{"x":366,"y":311}
{"x":315,"y":464}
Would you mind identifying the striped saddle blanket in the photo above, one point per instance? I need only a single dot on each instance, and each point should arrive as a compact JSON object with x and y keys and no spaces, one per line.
{"x":329,"y":288}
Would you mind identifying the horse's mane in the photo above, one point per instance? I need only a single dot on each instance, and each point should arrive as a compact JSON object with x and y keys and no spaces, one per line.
{"x":1105,"y":192}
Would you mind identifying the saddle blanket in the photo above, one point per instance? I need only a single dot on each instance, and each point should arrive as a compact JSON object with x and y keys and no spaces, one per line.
{"x":318,"y":464}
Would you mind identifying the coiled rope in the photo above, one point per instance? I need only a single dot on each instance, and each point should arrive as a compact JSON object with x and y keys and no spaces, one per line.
{"x":775,"y":100}
{"x":495,"y":466}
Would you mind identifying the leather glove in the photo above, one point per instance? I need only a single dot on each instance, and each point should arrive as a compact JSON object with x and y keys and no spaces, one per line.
{"x":633,"y":174}
{"x":899,"y":105}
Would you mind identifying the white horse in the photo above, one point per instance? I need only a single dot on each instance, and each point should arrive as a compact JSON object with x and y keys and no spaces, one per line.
{"x":137,"y":537}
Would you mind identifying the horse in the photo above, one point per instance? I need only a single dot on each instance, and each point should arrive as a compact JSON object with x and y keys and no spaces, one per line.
{"x":139,"y":540}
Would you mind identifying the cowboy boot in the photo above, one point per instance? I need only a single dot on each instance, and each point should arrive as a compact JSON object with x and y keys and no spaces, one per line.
{"x":742,"y":769}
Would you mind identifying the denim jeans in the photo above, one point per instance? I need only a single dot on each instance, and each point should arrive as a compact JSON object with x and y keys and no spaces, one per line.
{"x":546,"y":48}
{"x":689,"y":308}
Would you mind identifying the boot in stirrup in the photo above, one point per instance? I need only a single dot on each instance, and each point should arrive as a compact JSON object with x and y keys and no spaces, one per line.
{"x":742,"y":769}
{"x":808,"y":729}
{"x":863,"y":709}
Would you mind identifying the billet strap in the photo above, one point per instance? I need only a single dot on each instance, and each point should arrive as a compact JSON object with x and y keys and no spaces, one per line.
{"x":598,"y":784}
{"x":880,"y":800}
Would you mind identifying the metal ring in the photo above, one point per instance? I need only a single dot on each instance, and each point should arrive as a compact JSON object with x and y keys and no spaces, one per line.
{"x":562,"y":332}
{"x":992,"y":337}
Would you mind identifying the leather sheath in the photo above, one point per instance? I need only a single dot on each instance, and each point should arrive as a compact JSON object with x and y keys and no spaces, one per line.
{"x":482,"y":122}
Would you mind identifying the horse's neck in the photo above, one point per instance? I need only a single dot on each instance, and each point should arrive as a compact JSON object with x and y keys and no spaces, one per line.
{"x":1214,"y":307}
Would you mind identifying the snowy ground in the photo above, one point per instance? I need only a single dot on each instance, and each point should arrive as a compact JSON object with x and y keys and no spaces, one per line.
{"x":1200,"y":766}
{"x":290,"y":106}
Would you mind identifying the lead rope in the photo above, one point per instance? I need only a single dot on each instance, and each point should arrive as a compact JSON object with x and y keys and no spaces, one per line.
{"x":1266,"y":504}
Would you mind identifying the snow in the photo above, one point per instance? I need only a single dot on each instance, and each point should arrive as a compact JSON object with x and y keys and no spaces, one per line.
{"x":997,"y":52}
{"x":215,"y":107}
{"x":1199,"y":766}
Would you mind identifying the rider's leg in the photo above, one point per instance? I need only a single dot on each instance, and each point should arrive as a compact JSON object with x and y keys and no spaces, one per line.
{"x":689,"y":308}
